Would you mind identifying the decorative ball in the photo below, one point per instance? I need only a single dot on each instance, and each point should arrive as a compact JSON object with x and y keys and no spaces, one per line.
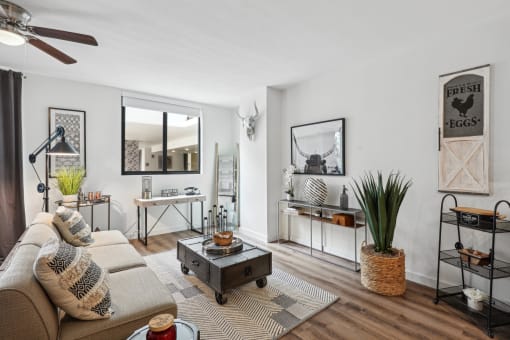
{"x":315,"y":191}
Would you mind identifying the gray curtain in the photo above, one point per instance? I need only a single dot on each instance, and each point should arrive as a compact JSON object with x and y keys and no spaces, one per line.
{"x":12,"y":208}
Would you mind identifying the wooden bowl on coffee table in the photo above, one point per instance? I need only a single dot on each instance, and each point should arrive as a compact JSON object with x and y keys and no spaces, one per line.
{"x":223,"y":238}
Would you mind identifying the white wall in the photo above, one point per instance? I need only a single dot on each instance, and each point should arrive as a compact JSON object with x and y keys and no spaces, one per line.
{"x":391,"y":110}
{"x":253,"y":163}
{"x":274,"y":169}
{"x":103,"y":114}
{"x":260,"y":164}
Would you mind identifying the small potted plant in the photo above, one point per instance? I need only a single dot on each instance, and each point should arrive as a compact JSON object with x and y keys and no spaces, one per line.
{"x":288,"y":174}
{"x":382,"y":266}
{"x":69,"y":181}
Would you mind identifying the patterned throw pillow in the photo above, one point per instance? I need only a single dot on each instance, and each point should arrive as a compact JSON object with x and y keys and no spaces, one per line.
{"x":73,"y":281}
{"x":72,"y":227}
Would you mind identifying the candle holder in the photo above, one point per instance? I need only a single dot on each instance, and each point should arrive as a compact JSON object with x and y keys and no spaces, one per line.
{"x":146,"y":187}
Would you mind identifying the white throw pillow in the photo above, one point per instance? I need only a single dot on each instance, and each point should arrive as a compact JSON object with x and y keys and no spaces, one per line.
{"x":73,"y":281}
{"x":72,"y":226}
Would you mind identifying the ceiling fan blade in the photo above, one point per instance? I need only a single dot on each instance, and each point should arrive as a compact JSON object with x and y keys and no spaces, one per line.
{"x":63,"y":35}
{"x":52,"y":51}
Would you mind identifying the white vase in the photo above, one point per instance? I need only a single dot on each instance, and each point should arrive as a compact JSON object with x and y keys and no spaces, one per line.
{"x":69,"y":198}
{"x":289,"y":197}
{"x":315,"y":191}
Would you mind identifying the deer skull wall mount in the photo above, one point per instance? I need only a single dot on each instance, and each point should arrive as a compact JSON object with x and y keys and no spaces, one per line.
{"x":249,"y":122}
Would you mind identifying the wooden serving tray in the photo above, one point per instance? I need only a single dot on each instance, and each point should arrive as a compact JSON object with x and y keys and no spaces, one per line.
{"x":475,"y":211}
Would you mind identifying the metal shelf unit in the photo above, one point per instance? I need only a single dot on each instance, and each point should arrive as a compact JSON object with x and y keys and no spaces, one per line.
{"x":310,"y":209}
{"x":78,"y":204}
{"x":495,"y":313}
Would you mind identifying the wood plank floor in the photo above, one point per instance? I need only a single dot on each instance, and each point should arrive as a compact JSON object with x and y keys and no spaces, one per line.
{"x":358,"y":314}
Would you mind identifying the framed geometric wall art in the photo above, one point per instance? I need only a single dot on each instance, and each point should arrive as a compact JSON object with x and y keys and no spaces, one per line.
{"x":319,"y":148}
{"x":464,"y":113}
{"x":73,"y":122}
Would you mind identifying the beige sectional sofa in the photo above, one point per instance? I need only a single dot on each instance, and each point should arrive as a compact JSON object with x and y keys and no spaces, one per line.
{"x":27,"y":313}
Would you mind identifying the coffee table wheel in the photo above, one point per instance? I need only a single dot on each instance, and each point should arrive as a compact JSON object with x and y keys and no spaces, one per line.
{"x":261,"y":283}
{"x":220,"y":298}
{"x":184,"y":269}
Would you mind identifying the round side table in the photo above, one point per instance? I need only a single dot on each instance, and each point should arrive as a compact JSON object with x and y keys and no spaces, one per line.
{"x":185,"y":331}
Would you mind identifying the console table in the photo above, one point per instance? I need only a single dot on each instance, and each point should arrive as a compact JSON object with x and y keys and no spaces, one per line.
{"x":170,"y":201}
{"x":319,"y":213}
{"x":105,"y":199}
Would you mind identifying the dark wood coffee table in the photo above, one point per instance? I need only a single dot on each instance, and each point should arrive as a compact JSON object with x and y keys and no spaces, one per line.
{"x":224,"y":272}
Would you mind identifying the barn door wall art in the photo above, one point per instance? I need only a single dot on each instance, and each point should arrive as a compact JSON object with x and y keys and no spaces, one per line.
{"x":464,"y":107}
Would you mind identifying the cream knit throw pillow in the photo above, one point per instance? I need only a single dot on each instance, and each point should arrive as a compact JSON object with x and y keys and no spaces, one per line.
{"x":73,"y":281}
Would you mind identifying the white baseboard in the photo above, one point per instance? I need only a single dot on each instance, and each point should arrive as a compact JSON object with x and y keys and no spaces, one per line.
{"x":421,"y":279}
{"x":427,"y":280}
{"x":253,"y":234}
{"x":160,"y":229}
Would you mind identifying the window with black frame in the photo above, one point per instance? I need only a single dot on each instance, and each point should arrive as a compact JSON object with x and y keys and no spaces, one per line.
{"x":159,"y":138}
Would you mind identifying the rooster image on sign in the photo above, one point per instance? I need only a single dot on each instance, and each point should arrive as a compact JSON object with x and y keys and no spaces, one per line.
{"x":463,"y":107}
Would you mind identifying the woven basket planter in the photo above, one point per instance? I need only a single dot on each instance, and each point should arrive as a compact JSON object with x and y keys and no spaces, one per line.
{"x":383,"y":274}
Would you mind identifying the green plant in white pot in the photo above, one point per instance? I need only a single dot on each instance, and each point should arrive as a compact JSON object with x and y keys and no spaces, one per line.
{"x":69,"y":181}
{"x":382,"y":266}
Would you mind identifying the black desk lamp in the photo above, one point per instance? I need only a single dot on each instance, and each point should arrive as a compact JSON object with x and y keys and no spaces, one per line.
{"x":62,"y":148}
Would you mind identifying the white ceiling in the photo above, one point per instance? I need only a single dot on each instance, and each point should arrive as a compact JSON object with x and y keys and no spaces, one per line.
{"x":213,"y":51}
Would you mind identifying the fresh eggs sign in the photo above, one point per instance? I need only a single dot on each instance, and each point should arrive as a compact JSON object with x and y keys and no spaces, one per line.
{"x":463,"y":100}
{"x":464,"y":131}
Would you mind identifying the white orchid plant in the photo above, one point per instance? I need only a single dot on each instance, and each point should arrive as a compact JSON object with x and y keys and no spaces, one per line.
{"x":288,"y":174}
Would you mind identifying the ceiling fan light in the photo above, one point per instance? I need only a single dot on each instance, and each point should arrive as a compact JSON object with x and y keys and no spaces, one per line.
{"x":11,"y":38}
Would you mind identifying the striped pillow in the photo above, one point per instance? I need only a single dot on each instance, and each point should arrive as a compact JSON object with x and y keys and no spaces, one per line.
{"x":72,"y":227}
{"x":73,"y":281}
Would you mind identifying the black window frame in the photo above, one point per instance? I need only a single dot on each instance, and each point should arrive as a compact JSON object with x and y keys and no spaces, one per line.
{"x":164,"y":171}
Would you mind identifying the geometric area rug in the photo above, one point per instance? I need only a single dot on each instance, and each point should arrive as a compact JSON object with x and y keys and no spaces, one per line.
{"x":250,"y":312}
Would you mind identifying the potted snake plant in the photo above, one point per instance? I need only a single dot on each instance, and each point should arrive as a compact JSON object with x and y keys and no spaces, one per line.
{"x":69,"y":180}
{"x":382,"y":265}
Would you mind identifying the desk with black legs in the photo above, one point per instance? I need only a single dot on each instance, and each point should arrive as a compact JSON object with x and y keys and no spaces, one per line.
{"x":170,"y":201}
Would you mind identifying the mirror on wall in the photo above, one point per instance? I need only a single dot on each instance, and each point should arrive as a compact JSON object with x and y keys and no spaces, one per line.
{"x":159,"y":142}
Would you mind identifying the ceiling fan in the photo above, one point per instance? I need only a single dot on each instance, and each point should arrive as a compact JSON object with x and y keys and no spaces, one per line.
{"x":15,"y":31}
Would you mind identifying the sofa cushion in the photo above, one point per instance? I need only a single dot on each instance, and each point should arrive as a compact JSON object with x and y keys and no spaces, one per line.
{"x":23,"y":298}
{"x":137,"y":296}
{"x":107,"y":238}
{"x":43,"y":218}
{"x":116,"y":257}
{"x":73,"y":281}
{"x":39,"y":233}
{"x":72,"y":226}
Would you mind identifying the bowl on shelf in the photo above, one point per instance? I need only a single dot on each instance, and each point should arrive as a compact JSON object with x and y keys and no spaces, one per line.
{"x":223,"y":238}
{"x":475,"y":257}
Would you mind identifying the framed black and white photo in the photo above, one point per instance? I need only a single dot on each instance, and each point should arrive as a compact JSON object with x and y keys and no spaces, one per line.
{"x":319,"y":148}
{"x":73,"y":122}
{"x":464,"y":112}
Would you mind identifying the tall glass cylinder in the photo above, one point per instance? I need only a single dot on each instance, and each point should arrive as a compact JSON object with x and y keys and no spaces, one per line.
{"x":146,"y":187}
